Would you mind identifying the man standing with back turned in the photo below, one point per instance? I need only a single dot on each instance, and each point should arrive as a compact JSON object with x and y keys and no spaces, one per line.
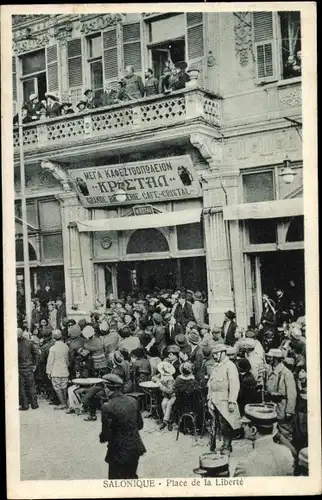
{"x":121,"y":423}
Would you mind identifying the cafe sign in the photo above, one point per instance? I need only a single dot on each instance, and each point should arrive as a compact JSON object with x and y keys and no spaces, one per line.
{"x":171,"y":178}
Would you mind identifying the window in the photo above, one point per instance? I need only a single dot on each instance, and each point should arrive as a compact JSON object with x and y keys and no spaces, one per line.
{"x":190,"y":236}
{"x":147,"y":241}
{"x":258,"y":186}
{"x":132,"y":46}
{"x":277,"y":45}
{"x":290,"y":26}
{"x":34,"y":78}
{"x":52,"y":247}
{"x":75,"y":69}
{"x":262,"y":231}
{"x":94,"y":60}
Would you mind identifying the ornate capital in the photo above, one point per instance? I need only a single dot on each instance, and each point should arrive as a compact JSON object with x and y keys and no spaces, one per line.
{"x":211,"y":149}
{"x":99,"y":22}
{"x":62,"y":31}
{"x":58,"y":173}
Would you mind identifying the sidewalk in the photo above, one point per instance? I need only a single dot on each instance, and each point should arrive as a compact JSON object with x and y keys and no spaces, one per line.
{"x":56,"y":446}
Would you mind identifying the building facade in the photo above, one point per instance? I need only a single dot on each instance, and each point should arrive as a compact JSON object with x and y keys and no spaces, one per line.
{"x":212,"y":173}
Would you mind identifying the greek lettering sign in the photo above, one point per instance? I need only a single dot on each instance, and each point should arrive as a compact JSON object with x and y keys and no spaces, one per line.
{"x":144,"y":182}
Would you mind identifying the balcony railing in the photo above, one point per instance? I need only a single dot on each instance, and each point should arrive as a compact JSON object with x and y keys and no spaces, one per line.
{"x":145,"y":114}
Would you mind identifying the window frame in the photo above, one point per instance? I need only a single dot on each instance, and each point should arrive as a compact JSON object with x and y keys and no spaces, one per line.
{"x":262,"y":170}
{"x":93,"y":59}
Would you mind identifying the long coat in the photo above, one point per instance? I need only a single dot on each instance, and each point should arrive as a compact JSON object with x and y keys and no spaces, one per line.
{"x":229,"y":337}
{"x":266,"y":459}
{"x":223,"y":388}
{"x":183,"y":314}
{"x":280,"y":379}
{"x":121,"y":423}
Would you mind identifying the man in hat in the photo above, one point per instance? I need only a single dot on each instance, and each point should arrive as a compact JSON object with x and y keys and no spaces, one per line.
{"x":57,"y":368}
{"x":134,"y":86}
{"x":213,"y":338}
{"x":110,"y":338}
{"x":267,"y":458}
{"x":185,"y":347}
{"x":257,"y":363}
{"x":52,"y":107}
{"x":121,"y":423}
{"x":223,"y":389}
{"x":282,"y":307}
{"x":229,"y":328}
{"x":28,"y":356}
{"x":61,"y":310}
{"x":164,"y":83}
{"x":34,"y":107}
{"x":196,"y":355}
{"x":182,"y":311}
{"x":199,"y":308}
{"x":281,"y":389}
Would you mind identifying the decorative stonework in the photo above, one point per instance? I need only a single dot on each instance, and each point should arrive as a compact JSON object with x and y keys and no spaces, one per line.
{"x":58,"y":173}
{"x":293,"y":98}
{"x":28,"y":44}
{"x":62,"y":31}
{"x":210,"y":149}
{"x":243,"y":37}
{"x":99,"y":22}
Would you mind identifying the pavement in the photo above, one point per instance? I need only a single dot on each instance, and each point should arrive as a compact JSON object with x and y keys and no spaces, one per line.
{"x":57,"y":446}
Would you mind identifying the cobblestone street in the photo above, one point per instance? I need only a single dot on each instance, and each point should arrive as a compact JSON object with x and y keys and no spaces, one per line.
{"x":56,"y":446}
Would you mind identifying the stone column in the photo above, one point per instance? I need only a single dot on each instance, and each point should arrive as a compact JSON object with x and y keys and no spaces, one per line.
{"x":78,"y":267}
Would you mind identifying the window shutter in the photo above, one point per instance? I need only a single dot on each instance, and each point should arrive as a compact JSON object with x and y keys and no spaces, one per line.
{"x":75,"y":63}
{"x":132,"y":46}
{"x":195,"y":42}
{"x":110,"y":58}
{"x":264,"y":43}
{"x":52,"y":68}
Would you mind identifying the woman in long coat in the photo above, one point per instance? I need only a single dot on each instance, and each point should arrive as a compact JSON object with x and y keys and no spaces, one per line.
{"x":223,"y":389}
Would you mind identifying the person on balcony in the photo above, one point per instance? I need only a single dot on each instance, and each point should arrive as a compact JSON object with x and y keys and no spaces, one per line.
{"x":151,"y":83}
{"x":134,"y":86}
{"x":164,"y":82}
{"x":53,"y":107}
{"x":33,"y":107}
{"x":180,"y":78}
{"x":91,"y":100}
{"x":81,"y":105}
{"x":108,"y":96}
{"x":121,"y":94}
{"x":66,"y":108}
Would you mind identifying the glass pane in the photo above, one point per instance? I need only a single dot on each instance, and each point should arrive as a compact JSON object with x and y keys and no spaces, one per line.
{"x":28,"y":88}
{"x":190,"y":236}
{"x":32,"y":215}
{"x":97,"y":75}
{"x":167,"y":29}
{"x":34,"y":62}
{"x":147,"y":241}
{"x":258,"y":187}
{"x":49,"y":212}
{"x":52,"y":247}
{"x":262,"y":231}
{"x":95,"y":47}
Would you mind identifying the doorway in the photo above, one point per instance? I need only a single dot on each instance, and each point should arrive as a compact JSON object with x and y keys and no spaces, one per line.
{"x":148,"y":275}
{"x":172,"y":51}
{"x":271,"y":270}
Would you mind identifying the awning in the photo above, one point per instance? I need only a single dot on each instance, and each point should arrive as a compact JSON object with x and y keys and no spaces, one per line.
{"x":141,"y":221}
{"x":265,"y":209}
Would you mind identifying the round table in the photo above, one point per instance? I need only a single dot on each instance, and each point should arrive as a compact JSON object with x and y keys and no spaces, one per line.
{"x":87,"y":381}
{"x":152,"y":390}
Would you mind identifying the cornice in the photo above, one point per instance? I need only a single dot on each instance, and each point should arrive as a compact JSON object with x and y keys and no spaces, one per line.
{"x":58,"y":173}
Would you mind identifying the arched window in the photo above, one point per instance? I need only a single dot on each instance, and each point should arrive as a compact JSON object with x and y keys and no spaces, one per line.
{"x":19,"y":251}
{"x":296,"y":230}
{"x":147,"y":241}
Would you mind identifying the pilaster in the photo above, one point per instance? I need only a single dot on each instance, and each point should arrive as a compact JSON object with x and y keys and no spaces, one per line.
{"x":79,"y":278}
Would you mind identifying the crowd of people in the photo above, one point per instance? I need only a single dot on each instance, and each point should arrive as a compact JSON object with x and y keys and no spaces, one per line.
{"x":130,"y":87}
{"x":165,"y":337}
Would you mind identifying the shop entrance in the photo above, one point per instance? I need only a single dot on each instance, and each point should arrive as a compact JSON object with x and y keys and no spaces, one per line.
{"x":147,"y":275}
{"x":271,"y":270}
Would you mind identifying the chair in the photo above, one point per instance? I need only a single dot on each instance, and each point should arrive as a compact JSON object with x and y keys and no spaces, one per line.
{"x":189,"y":405}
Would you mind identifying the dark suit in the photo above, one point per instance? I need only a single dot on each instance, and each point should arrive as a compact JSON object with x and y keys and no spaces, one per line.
{"x":171,"y":331}
{"x":53,"y":111}
{"x":196,"y":359}
{"x":34,"y":110}
{"x":121,"y":423}
{"x":229,"y":337}
{"x":184,"y":314}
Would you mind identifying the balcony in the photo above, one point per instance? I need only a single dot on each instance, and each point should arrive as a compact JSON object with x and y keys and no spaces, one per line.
{"x":184,"y":107}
